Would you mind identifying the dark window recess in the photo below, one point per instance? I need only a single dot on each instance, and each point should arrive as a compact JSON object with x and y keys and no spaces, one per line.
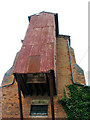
{"x":39,"y":110}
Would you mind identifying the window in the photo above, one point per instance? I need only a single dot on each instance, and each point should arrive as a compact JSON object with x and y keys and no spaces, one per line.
{"x":39,"y":110}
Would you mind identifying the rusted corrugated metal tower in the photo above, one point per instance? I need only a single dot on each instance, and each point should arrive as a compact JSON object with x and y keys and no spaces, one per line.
{"x":36,"y":62}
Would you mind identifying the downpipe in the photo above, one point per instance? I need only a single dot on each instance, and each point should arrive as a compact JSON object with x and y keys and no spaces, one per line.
{"x":71,"y":67}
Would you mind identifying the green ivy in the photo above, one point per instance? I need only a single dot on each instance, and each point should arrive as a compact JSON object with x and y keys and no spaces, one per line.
{"x":77,"y":105}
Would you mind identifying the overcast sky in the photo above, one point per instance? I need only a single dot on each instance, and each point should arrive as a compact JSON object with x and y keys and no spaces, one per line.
{"x":73,"y":21}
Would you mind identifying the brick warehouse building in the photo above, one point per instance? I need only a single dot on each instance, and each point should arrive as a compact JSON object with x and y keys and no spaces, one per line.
{"x":40,"y":72}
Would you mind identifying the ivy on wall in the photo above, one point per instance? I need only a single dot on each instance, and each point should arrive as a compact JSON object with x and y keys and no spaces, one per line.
{"x":77,"y":105}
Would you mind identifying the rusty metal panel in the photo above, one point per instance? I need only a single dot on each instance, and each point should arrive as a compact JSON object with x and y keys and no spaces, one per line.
{"x":33,"y":37}
{"x":47,"y":57}
{"x":39,"y":41}
{"x":42,"y":20}
{"x":33,"y":65}
{"x":48,"y":35}
{"x":21,"y":63}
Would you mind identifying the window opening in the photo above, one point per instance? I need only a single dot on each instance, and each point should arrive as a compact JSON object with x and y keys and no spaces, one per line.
{"x":39,"y":110}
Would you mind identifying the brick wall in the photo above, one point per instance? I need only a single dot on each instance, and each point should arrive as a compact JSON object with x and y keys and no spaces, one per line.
{"x":63,"y":65}
{"x":10,"y":102}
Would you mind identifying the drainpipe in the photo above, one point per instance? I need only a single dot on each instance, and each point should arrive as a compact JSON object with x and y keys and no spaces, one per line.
{"x":71,"y":67}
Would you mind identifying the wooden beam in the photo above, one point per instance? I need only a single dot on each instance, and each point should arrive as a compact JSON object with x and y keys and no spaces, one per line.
{"x":36,"y":87}
{"x":39,"y":89}
{"x":47,"y":79}
{"x":29,"y":86}
{"x":31,"y":90}
{"x":20,"y":99}
{"x":42,"y":89}
{"x":36,"y":78}
{"x":24,"y":86}
{"x":51,"y":93}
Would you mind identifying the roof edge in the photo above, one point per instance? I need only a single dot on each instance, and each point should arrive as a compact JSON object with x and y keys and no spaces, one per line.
{"x":61,"y":35}
{"x":29,"y":17}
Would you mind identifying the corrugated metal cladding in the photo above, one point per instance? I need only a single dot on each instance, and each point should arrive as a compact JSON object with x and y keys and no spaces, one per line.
{"x":38,"y":50}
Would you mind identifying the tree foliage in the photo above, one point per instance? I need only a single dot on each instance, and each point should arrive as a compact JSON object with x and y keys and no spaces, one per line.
{"x":77,"y":105}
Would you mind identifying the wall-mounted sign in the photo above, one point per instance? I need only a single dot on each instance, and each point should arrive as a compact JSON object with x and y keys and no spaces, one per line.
{"x":39,"y":102}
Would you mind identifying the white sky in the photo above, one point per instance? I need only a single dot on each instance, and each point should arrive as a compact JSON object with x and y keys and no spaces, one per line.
{"x":73,"y":21}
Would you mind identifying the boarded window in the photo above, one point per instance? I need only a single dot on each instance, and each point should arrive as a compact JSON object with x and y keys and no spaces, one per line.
{"x":39,"y":110}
